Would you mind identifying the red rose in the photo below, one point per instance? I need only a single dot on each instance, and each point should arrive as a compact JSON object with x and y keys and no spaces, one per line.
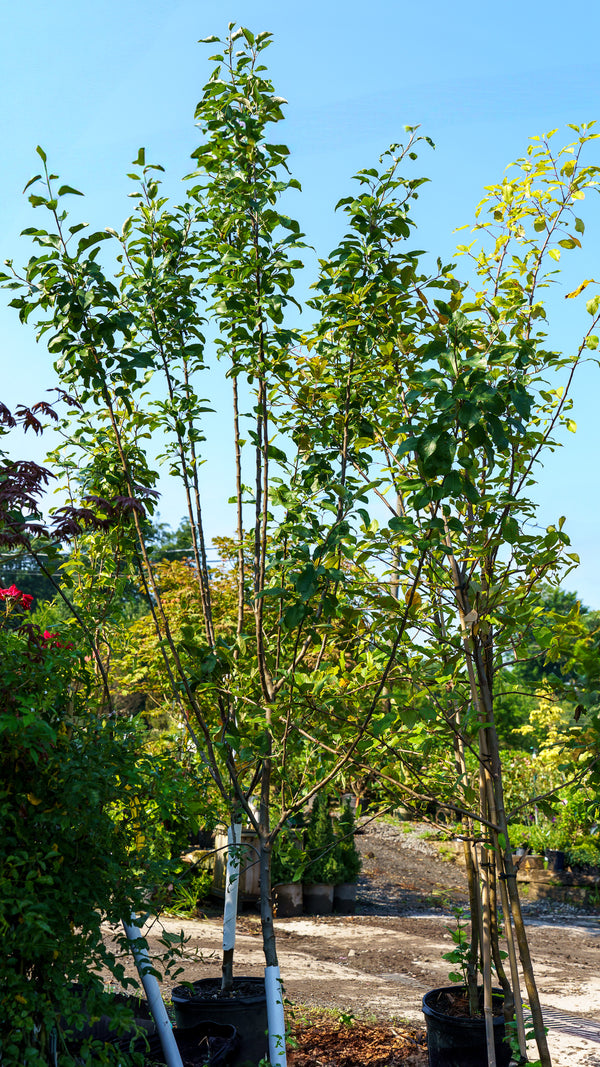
{"x":12,"y":593}
{"x":15,"y":596}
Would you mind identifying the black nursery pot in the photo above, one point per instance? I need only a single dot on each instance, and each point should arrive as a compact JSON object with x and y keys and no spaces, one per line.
{"x":555,"y":859}
{"x":215,"y":1044}
{"x":459,"y":1041}
{"x":245,"y":1008}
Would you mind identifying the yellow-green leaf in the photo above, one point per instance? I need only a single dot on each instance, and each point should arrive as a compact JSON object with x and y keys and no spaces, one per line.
{"x":579,"y":289}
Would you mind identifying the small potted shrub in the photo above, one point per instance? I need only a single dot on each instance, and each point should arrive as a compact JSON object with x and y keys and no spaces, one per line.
{"x":349,"y":860}
{"x":287,"y":869}
{"x":556,"y":847}
{"x":322,"y":869}
{"x":539,"y":836}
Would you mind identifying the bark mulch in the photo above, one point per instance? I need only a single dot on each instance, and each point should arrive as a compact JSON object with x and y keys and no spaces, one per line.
{"x":360,"y":1044}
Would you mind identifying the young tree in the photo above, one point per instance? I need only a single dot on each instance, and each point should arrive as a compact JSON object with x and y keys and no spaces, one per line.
{"x":451,"y":404}
{"x":412,"y":396}
{"x":245,"y":690}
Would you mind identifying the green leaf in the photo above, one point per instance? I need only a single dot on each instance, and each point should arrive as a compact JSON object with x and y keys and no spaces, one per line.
{"x":31,"y":181}
{"x":453,"y":483}
{"x":469,"y":414}
{"x":592,"y":342}
{"x":93,"y":239}
{"x":306,"y":583}
{"x":293,"y":616}
{"x":69,"y":189}
{"x":510,"y":530}
{"x":41,"y":154}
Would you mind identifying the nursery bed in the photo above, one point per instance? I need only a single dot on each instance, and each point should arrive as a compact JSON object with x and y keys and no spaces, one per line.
{"x":378,"y":963}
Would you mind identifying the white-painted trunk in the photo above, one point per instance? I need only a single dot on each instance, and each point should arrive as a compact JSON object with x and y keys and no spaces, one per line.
{"x":155,"y":1000}
{"x":232,"y":882}
{"x":275,"y":1017}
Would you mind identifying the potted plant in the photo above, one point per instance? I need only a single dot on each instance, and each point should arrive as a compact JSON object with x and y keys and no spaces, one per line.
{"x":555,"y":850}
{"x":458,"y":412}
{"x":323,"y":868}
{"x":455,"y":1034}
{"x":287,"y":869}
{"x":349,"y":860}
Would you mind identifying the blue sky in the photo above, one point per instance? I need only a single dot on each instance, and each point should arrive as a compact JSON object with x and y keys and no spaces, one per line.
{"x":91,"y":83}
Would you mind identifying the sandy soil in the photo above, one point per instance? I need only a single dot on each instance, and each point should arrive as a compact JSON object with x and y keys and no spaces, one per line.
{"x":378,"y":963}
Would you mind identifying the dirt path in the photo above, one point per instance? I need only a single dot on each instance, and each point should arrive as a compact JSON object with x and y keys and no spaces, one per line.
{"x":379,"y":963}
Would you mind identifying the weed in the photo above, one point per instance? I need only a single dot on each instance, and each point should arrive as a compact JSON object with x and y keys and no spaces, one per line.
{"x":188,"y":894}
{"x":460,"y":953}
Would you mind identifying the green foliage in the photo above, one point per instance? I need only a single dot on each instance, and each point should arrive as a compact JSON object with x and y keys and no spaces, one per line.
{"x":386,"y":564}
{"x":322,"y":864}
{"x":190,"y":892}
{"x":288,"y":860}
{"x":460,"y":954}
{"x":65,"y":866}
{"x":346,"y":852}
{"x":585,"y":852}
{"x":84,"y":841}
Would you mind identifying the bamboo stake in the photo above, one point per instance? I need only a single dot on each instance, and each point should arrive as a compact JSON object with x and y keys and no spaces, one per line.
{"x":514,"y":970}
{"x":486,"y":953}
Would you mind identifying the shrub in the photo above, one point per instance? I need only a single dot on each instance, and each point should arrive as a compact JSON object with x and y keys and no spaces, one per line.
{"x":287,"y":859}
{"x":322,"y":864}
{"x":66,"y":865}
{"x":346,"y":851}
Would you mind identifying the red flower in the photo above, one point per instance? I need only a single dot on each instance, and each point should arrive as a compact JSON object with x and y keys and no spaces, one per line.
{"x":14,"y":595}
{"x":52,"y":639}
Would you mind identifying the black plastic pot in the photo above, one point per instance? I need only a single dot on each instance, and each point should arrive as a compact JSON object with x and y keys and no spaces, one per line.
{"x":318,"y":899}
{"x":245,"y":1008}
{"x":555,"y":859}
{"x":215,"y":1044}
{"x":287,"y":899}
{"x":457,"y":1040}
{"x":104,"y":1028}
{"x":344,"y":898}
